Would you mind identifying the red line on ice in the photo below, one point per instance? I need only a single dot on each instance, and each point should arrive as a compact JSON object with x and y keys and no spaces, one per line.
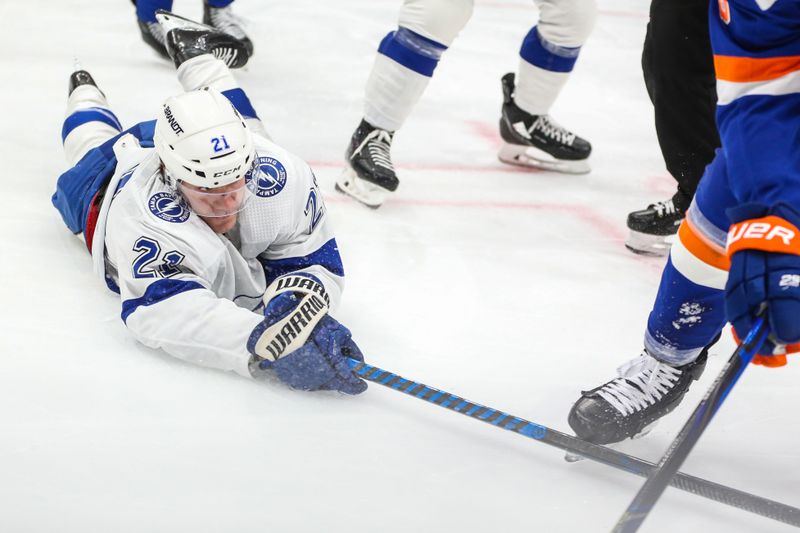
{"x":443,"y":167}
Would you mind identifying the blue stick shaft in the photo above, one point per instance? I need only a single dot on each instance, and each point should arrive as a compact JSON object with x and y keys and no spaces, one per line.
{"x":676,"y":454}
{"x":694,"y":485}
{"x":634,"y":465}
{"x":449,"y":401}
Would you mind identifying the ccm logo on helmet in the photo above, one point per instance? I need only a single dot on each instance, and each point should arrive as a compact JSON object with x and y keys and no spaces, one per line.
{"x":226,"y":172}
{"x":171,"y":121}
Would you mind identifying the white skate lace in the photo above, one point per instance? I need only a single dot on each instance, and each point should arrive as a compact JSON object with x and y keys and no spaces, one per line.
{"x":379,"y":144}
{"x":553,"y":130}
{"x":227,"y":55}
{"x":642,"y":382}
{"x":664,"y":208}
{"x":224,"y":19}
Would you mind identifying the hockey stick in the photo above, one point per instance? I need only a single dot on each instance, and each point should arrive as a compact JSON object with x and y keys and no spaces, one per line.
{"x":601,"y":454}
{"x":676,"y":454}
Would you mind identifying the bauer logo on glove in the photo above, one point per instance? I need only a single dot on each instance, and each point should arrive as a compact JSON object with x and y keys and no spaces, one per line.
{"x":765,"y":273}
{"x":770,"y":234}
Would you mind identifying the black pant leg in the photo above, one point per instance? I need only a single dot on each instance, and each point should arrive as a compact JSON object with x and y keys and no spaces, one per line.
{"x":678,"y":69}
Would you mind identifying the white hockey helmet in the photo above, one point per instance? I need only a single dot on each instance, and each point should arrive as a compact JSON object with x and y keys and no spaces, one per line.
{"x":203,"y":140}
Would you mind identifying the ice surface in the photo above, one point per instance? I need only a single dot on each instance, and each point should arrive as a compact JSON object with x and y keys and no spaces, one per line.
{"x":510,"y":288}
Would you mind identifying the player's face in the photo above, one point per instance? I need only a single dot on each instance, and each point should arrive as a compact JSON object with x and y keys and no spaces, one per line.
{"x":218,"y":207}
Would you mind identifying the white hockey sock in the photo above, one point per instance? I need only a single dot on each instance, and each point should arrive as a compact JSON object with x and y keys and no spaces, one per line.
{"x":94,"y":133}
{"x":537,"y":88}
{"x":206,"y":71}
{"x":392,"y":92}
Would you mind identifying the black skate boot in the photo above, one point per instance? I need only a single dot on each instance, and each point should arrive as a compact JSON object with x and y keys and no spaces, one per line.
{"x":537,"y":140}
{"x":369,"y":174}
{"x":78,"y":78}
{"x":629,"y":405}
{"x":224,"y":20}
{"x":652,"y":229}
{"x":155,"y":36}
{"x":187,"y":39}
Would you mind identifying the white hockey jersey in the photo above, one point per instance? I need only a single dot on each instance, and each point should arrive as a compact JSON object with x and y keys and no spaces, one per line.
{"x":194,"y":293}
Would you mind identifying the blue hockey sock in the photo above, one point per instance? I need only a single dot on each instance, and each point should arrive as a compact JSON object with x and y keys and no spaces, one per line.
{"x":412,"y":50}
{"x":91,"y":114}
{"x":543,"y":54}
{"x":685,"y":318}
{"x":219,"y":3}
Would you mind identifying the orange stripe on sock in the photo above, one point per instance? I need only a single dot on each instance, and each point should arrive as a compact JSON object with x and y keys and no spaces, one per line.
{"x":749,"y":69}
{"x":701,"y":249}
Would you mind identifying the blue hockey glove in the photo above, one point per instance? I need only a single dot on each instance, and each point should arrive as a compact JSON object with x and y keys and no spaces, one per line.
{"x":764,"y":249}
{"x":300,"y":343}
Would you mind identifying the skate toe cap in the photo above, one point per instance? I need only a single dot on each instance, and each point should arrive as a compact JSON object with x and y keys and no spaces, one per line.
{"x":596,"y":422}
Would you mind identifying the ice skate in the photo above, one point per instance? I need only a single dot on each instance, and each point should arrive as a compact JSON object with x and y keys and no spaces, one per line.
{"x":186,"y":39}
{"x":652,"y":230}
{"x":80,"y":77}
{"x":369,"y":175}
{"x":629,"y":405}
{"x":537,"y":140}
{"x":223,"y":19}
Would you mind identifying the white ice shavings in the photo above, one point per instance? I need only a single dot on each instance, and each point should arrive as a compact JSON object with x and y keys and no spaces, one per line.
{"x":690,"y":315}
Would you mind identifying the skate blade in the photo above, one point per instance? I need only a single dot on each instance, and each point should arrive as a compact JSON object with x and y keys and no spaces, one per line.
{"x":365,"y":192}
{"x":170,"y":21}
{"x":646,"y":244}
{"x":529,"y":156}
{"x":573,"y":457}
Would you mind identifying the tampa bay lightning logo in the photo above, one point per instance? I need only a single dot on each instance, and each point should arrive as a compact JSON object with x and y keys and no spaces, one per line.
{"x":267,"y":178}
{"x":168,"y":207}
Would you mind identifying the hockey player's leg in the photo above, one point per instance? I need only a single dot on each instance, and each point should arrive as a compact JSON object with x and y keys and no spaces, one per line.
{"x":152,"y":32}
{"x":404,"y":64}
{"x":547,"y":56}
{"x":200,"y":54}
{"x":89,"y":121}
{"x":687,"y":317}
{"x":678,"y":71}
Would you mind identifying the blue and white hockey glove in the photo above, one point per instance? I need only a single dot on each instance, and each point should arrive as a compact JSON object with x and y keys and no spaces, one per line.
{"x":764,"y":249}
{"x":300,"y":343}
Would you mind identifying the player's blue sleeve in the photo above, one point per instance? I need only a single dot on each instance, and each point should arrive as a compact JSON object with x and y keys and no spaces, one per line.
{"x":327,"y":257}
{"x":757,"y":61}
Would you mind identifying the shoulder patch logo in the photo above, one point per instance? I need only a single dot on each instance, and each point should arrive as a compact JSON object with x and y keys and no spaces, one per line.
{"x":168,"y":207}
{"x":268,"y":175}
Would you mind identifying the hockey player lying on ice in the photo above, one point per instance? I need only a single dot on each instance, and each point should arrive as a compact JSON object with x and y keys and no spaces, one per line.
{"x":215,"y":238}
{"x":738,"y":247}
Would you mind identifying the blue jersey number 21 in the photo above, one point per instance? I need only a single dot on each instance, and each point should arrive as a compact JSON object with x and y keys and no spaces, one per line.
{"x":220,"y":143}
{"x":147,"y":265}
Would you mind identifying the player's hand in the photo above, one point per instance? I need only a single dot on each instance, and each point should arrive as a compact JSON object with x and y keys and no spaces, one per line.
{"x":305,"y":347}
{"x":765,"y":269}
